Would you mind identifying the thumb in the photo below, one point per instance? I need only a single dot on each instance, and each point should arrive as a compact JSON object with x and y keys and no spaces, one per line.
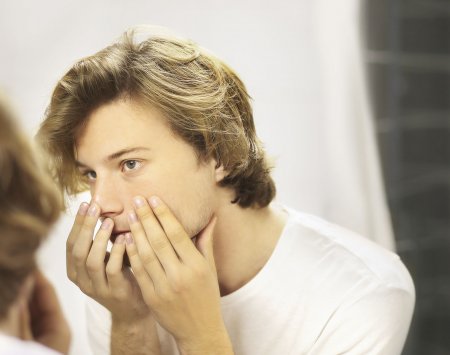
{"x":205,"y":242}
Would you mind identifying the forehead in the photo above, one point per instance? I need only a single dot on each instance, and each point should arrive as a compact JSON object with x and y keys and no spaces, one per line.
{"x":118,"y":125}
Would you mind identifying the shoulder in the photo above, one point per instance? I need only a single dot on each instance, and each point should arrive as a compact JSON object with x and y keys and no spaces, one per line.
{"x":361,"y":292}
{"x":345,"y":256}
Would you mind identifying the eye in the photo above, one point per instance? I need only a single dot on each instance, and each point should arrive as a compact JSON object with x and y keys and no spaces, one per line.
{"x":130,"y":165}
{"x":90,"y":175}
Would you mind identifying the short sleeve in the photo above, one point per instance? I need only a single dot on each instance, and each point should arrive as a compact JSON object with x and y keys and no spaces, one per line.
{"x":375,"y":324}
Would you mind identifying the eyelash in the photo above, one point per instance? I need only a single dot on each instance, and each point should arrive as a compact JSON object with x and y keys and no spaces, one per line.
{"x":124,"y":165}
{"x":86,"y":175}
{"x":124,"y":168}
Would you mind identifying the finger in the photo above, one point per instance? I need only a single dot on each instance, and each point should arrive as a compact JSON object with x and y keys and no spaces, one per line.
{"x":139,"y":271}
{"x":95,"y":263}
{"x":175,"y":232}
{"x":114,"y":271}
{"x":83,"y":240}
{"x":144,"y":251}
{"x":82,"y":246}
{"x":70,"y":265}
{"x":79,"y":218}
{"x":205,"y":243}
{"x":155,"y":235}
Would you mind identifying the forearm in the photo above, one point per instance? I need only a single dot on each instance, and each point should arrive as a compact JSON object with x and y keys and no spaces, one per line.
{"x":214,"y":344}
{"x":139,"y":337}
{"x":218,"y":350}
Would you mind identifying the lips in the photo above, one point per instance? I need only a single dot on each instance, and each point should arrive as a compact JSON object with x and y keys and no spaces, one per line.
{"x":114,"y":235}
{"x":112,"y":238}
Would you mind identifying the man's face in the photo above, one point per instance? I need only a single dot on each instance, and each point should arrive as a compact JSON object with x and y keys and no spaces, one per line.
{"x":127,"y":149}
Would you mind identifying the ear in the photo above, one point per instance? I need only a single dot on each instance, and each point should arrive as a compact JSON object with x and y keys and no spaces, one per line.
{"x":219,"y":173}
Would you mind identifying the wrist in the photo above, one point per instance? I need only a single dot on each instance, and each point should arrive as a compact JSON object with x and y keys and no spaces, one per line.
{"x":218,"y":343}
{"x":132,"y":326}
{"x":132,"y":323}
{"x":126,"y":317}
{"x":137,"y":336}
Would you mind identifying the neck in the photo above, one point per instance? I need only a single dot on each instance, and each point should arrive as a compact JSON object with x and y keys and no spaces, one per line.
{"x":10,"y":325}
{"x":244,"y":240}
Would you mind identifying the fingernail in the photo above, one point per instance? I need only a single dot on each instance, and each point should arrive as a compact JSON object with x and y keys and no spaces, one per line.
{"x":154,"y":201}
{"x":83,"y":209}
{"x":120,"y":239}
{"x":139,"y":201}
{"x":106,"y":223}
{"x":128,"y":238}
{"x":92,"y":210}
{"x":132,"y":217}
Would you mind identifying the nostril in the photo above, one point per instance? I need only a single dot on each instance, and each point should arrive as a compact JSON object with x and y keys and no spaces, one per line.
{"x":108,"y":200}
{"x":111,"y":214}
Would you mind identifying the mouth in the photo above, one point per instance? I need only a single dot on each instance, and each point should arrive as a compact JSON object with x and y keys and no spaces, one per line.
{"x":112,"y":238}
{"x":114,"y":235}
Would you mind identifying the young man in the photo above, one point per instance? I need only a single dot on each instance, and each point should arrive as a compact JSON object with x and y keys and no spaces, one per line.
{"x":31,"y":321}
{"x":162,"y":134}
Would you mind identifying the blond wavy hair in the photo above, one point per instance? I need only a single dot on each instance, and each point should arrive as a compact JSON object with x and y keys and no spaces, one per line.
{"x":203,"y":100}
{"x":29,"y":205}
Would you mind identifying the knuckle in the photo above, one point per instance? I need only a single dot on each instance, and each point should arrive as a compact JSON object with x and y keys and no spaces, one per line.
{"x":89,"y":292}
{"x":132,"y":252}
{"x":78,"y":256}
{"x":148,"y":258}
{"x":76,"y":226}
{"x":86,"y":289}
{"x":120,"y":295}
{"x":101,"y":294}
{"x":177,"y":285}
{"x":165,"y":295}
{"x":78,"y":221}
{"x":139,"y":271}
{"x":72,"y":275}
{"x":111,"y":269}
{"x":144,"y":213}
{"x":160,"y":244}
{"x":87,"y":227}
{"x":93,"y":266}
{"x":179,"y":234}
{"x":162,"y":210}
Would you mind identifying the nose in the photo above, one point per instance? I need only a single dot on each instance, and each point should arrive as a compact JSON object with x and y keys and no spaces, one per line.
{"x":106,"y":195}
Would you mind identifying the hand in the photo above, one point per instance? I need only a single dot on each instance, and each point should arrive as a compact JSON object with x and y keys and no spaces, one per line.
{"x":109,"y":283}
{"x":43,"y":320}
{"x":178,"y":281}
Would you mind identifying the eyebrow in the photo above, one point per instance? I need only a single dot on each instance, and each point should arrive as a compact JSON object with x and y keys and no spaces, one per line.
{"x":116,"y":155}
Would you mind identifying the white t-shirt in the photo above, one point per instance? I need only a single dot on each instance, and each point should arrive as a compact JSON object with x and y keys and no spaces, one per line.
{"x":324,"y":290}
{"x":14,"y":346}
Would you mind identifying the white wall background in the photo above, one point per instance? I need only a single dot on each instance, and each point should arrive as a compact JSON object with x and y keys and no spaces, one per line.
{"x":301,"y":62}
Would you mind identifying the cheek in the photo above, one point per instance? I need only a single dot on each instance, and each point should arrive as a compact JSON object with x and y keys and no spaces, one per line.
{"x":190,"y":196}
{"x":195,"y":205}
{"x":126,"y":190}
